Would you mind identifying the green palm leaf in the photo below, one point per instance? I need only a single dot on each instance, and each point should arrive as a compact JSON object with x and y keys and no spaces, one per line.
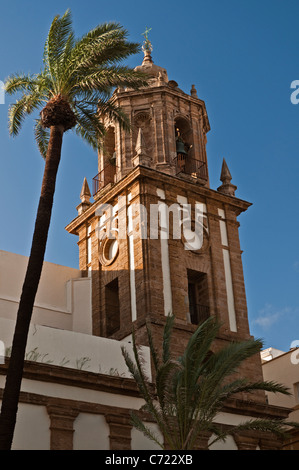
{"x":59,"y":34}
{"x":65,"y":95}
{"x":42,"y":136}
{"x":191,"y":390}
{"x":20,"y":109}
{"x":83,"y":72}
{"x":146,"y":431}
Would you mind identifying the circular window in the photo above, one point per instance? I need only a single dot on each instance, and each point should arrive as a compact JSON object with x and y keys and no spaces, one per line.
{"x":108,"y":251}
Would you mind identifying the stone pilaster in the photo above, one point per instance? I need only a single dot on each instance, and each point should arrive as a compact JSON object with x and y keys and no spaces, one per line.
{"x":203,"y":441}
{"x":120,"y":431}
{"x":270,"y":442}
{"x":61,"y":427}
{"x":246,"y":441}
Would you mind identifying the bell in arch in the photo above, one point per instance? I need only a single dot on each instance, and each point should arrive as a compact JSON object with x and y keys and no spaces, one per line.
{"x":181,"y":153}
{"x":180,"y":146}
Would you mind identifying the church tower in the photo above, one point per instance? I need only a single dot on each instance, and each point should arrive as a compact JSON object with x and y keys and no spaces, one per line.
{"x":158,"y":239}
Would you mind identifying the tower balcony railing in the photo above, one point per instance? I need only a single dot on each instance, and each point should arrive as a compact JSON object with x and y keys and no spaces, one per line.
{"x":191,"y":166}
{"x":104,"y":177}
{"x":199,"y":313}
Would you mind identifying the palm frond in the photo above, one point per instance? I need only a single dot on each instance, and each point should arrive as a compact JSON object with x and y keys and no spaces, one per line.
{"x":130,"y":364}
{"x":249,"y":387}
{"x":64,"y":82}
{"x":112,"y":50}
{"x":192,"y":390}
{"x":196,"y":355}
{"x":42,"y":136}
{"x":146,"y":431}
{"x":15,"y":83}
{"x":144,"y":387}
{"x":108,"y":109}
{"x":153,"y":351}
{"x":137,"y":372}
{"x":83,"y":71}
{"x":167,"y":337}
{"x":104,"y":44}
{"x":58,"y":37}
{"x":88,"y":126}
{"x":277,"y":427}
{"x":22,"y":107}
{"x":164,"y":382}
{"x":227,"y":361}
{"x":104,"y":78}
{"x":102,"y":32}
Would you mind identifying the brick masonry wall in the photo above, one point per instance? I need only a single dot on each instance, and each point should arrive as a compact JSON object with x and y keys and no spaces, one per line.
{"x":148,"y":263}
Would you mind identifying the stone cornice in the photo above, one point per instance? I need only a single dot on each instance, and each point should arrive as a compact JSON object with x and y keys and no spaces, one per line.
{"x":110,"y":384}
{"x":76,"y":378}
{"x":237,"y":205}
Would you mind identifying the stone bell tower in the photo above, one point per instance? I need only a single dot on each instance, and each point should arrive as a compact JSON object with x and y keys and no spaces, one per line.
{"x":167,"y":127}
{"x":157,"y":239}
{"x":175,"y":243}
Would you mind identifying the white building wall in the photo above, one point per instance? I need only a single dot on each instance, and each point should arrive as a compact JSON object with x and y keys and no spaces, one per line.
{"x":141,"y":442}
{"x":32,"y":430}
{"x":283,"y":368}
{"x":91,"y":432}
{"x":60,"y":334}
{"x":63,"y":298}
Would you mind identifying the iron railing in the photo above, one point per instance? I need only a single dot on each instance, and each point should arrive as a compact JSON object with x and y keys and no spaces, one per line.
{"x":191,"y":166}
{"x":199,"y":313}
{"x":103,"y":178}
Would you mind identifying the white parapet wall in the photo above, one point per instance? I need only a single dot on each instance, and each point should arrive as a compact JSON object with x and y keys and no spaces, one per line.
{"x":74,"y":350}
{"x":63,"y":299}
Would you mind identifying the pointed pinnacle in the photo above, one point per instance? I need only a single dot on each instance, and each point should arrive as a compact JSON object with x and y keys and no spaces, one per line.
{"x":85,"y":192}
{"x":227,"y":187}
{"x":140,"y":144}
{"x":225,"y":176}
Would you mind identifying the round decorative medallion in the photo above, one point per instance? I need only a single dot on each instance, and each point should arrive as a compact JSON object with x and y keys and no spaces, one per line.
{"x":108,"y":251}
{"x":196,"y":240}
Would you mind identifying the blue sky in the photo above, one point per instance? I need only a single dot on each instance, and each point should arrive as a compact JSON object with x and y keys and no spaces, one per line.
{"x":242,"y":57}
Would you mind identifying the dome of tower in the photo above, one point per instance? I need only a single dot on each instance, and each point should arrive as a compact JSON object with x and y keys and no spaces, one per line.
{"x":152,"y":70}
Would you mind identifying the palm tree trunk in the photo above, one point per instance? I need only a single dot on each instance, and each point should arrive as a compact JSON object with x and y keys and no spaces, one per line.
{"x":35,"y":263}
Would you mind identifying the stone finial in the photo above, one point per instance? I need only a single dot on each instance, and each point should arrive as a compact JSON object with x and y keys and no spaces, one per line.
{"x":147,"y":44}
{"x":85,"y":192}
{"x":193,"y":92}
{"x":147,"y":59}
{"x":85,"y":198}
{"x":226,"y":177}
{"x":148,"y":67}
{"x":140,"y":143}
{"x":147,"y":48}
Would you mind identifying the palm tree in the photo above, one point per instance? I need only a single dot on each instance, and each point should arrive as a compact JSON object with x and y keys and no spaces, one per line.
{"x":72,"y":91}
{"x":188,"y":392}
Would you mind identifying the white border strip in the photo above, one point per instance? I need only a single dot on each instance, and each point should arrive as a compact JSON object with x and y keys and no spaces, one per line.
{"x":227,"y":273}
